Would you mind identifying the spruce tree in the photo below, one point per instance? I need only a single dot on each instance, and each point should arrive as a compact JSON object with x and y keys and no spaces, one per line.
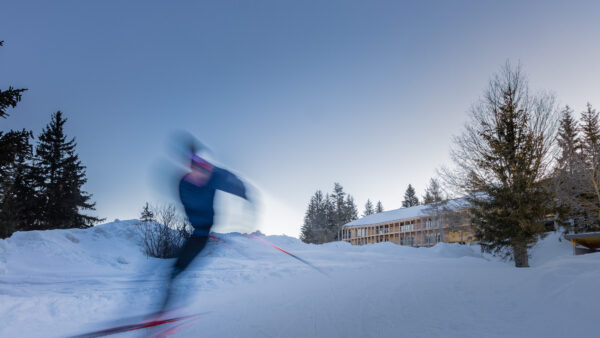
{"x":568,"y":140}
{"x":410,"y":198}
{"x":351,"y":210}
{"x":9,"y":97}
{"x":147,"y":215}
{"x":368,"y":208}
{"x":379,"y":207}
{"x":18,"y":204}
{"x":590,"y":197}
{"x":338,"y":196}
{"x":332,"y":218}
{"x":503,"y":162}
{"x":326,"y":215}
{"x":61,"y":179}
{"x":433,"y":193}
{"x":315,"y":220}
{"x":17,"y":192}
{"x":569,"y":180}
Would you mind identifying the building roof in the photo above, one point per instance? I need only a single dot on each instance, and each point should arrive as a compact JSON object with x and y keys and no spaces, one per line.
{"x":589,"y":239}
{"x":407,"y":213}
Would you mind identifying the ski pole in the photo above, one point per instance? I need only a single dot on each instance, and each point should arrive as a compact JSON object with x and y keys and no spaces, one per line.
{"x":220,"y":240}
{"x":267,"y":243}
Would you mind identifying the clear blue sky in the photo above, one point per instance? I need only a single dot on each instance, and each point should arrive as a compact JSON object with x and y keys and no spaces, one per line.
{"x":293,"y":95}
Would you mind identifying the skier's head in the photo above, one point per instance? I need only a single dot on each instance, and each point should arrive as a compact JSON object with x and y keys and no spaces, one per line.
{"x":201,"y":170}
{"x":198,"y":163}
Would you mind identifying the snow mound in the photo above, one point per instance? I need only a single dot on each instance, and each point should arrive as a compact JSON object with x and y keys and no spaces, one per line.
{"x":58,"y":283}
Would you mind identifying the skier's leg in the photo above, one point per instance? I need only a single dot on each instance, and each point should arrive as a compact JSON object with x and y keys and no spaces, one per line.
{"x":192,"y":247}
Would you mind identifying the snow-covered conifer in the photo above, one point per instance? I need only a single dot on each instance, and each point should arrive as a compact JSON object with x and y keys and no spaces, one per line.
{"x":368,"y":208}
{"x":410,"y":197}
{"x":379,"y":207}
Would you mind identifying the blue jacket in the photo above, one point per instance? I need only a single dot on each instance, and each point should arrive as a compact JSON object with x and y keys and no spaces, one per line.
{"x":198,"y":201}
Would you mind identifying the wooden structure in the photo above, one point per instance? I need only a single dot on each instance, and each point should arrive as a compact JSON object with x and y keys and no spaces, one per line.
{"x":590,"y":241}
{"x":423,"y":225}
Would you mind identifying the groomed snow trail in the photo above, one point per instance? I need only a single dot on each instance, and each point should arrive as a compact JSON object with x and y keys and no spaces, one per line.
{"x":62,"y":282}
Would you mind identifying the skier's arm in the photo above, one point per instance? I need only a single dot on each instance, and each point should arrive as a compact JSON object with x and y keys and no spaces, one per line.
{"x":230,"y":183}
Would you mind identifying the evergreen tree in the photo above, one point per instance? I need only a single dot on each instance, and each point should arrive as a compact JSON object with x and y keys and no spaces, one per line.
{"x":368,"y":208}
{"x":351,"y":210}
{"x":338,"y":198}
{"x":569,"y":178}
{"x":9,"y":97}
{"x":568,"y":140}
{"x":433,"y":193}
{"x":410,"y":198}
{"x":591,"y":131}
{"x":315,"y":220}
{"x":18,"y":202}
{"x":379,"y":207}
{"x":61,"y":179}
{"x":590,"y":197}
{"x":146,"y":215}
{"x":503,"y":162}
{"x":326,"y":215}
{"x":332,"y":218}
{"x":16,"y":189}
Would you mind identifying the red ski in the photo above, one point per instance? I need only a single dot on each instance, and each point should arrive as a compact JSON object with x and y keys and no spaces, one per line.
{"x":173,"y":329}
{"x":137,"y":326}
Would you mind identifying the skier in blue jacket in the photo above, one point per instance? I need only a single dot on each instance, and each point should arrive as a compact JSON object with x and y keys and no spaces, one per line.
{"x":197,"y":193}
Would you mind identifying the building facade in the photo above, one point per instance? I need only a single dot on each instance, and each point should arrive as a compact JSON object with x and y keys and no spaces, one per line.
{"x":423,"y":225}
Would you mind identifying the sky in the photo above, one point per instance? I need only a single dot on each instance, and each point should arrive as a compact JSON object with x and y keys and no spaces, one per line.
{"x":290,"y":95}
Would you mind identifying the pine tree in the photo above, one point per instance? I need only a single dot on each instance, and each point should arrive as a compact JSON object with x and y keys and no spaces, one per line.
{"x":410,"y":198}
{"x":503,"y":162}
{"x":433,"y":193}
{"x":326,"y":215}
{"x":351,"y":210}
{"x":147,"y":215}
{"x":315,"y":220}
{"x":368,"y":208}
{"x":9,"y":97}
{"x":338,"y":198}
{"x":569,"y":180}
{"x":61,"y":179}
{"x":590,"y":198}
{"x":379,"y":207}
{"x":332,"y":218}
{"x":18,"y":194}
{"x":568,"y":140}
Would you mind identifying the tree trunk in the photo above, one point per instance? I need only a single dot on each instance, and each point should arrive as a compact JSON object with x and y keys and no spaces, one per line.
{"x":520,"y":255}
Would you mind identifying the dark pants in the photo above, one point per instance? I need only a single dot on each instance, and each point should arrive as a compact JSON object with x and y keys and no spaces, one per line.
{"x":192,"y":247}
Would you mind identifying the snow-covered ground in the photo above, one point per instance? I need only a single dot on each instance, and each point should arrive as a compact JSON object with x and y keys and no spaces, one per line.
{"x":63,"y":282}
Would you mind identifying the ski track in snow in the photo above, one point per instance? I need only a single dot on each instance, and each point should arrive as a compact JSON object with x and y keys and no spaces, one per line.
{"x":63,"y":282}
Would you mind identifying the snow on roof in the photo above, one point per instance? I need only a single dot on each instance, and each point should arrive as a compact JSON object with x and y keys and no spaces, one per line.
{"x":406,"y":213}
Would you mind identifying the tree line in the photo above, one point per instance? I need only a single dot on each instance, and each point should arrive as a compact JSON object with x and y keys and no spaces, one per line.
{"x":576,"y":177}
{"x":326,"y":214}
{"x":41,"y":186}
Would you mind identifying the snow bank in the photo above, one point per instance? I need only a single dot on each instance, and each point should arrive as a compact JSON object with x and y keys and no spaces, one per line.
{"x":61,"y":282}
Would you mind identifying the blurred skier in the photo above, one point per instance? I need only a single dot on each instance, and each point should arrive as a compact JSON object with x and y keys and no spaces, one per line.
{"x":197,"y":193}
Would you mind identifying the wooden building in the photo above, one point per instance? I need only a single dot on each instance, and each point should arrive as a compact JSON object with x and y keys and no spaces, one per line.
{"x":584,"y":243}
{"x":422,"y":225}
